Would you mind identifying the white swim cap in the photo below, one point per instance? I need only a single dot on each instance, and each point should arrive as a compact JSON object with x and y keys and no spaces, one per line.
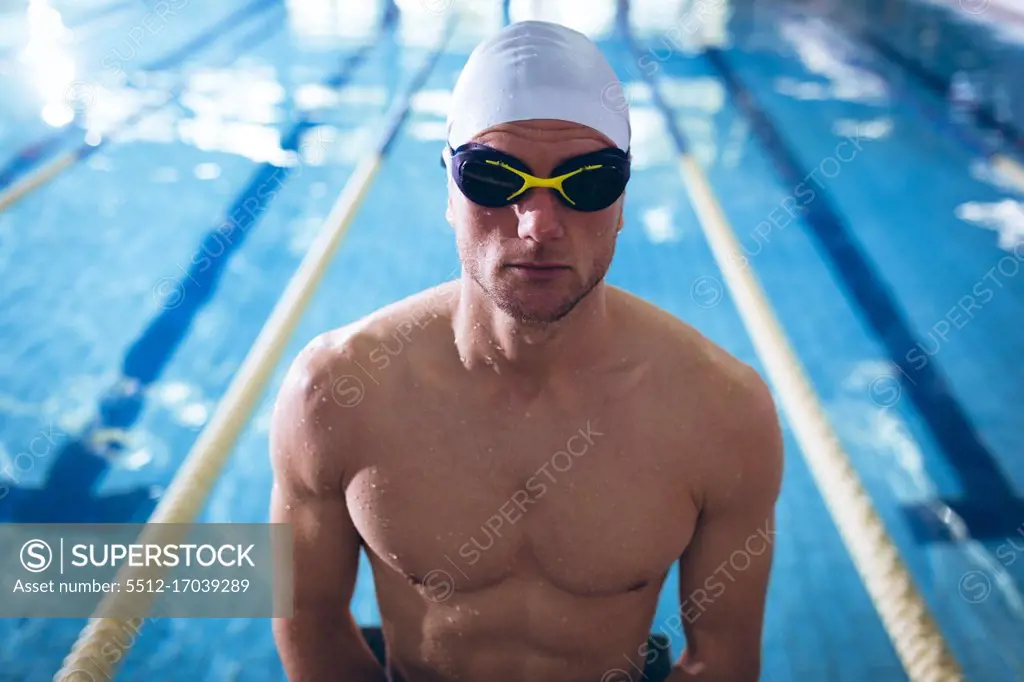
{"x":534,"y":70}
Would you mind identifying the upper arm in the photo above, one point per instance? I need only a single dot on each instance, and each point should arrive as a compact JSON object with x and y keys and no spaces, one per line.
{"x":308,"y":462}
{"x":725,"y":569}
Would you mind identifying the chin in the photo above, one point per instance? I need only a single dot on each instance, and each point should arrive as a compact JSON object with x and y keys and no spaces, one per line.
{"x":536,"y":307}
{"x":537,"y":315}
{"x":536,"y":302}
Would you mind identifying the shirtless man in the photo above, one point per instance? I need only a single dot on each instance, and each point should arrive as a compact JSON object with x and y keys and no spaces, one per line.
{"x":525,"y":452}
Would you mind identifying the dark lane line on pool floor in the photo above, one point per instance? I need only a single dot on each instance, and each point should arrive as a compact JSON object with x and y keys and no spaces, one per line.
{"x":68,"y":493}
{"x":988,"y":503}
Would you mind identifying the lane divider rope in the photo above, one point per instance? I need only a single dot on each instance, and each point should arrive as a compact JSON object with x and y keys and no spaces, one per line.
{"x":185,"y":497}
{"x":922,"y":649}
{"x":918,"y":642}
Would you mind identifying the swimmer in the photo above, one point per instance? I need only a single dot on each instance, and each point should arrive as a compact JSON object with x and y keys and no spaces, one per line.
{"x":525,"y":452}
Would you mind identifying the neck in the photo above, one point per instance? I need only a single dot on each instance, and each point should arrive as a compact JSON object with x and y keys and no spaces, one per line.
{"x":487,"y":337}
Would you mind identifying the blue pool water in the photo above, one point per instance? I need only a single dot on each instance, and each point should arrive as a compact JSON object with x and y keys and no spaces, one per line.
{"x":123,"y":318}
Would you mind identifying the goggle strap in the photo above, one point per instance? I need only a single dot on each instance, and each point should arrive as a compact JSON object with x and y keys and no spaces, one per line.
{"x":547,"y":183}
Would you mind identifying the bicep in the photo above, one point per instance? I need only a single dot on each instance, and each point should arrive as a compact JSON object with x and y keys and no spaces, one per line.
{"x":724,"y":572}
{"x":308,"y":463}
{"x":324,"y":547}
{"x":723,"y":579}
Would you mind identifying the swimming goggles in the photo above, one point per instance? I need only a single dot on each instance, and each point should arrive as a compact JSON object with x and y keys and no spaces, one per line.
{"x":589,"y":182}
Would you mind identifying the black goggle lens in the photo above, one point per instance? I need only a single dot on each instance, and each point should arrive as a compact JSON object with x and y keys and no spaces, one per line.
{"x":487,"y":184}
{"x":595,"y":189}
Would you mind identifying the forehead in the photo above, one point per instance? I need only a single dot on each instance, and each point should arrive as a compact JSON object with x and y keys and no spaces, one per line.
{"x":543,"y":144}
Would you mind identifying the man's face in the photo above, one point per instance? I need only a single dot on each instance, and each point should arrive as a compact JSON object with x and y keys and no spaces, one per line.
{"x":538,"y":258}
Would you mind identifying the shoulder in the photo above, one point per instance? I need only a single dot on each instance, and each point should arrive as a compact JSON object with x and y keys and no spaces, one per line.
{"x":331,"y":390}
{"x":697,"y":378}
{"x":684,"y":356}
{"x":308,"y":427}
{"x":339,"y":360}
{"x":746,"y":444}
{"x":682,"y":352}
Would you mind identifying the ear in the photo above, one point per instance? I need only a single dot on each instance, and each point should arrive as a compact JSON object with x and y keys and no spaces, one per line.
{"x":449,"y":214}
{"x":622,"y":219}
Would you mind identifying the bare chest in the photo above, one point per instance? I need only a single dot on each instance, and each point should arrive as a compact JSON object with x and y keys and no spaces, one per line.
{"x":590,"y":504}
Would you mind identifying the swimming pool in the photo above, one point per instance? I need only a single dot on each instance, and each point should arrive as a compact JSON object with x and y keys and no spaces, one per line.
{"x":125,"y":312}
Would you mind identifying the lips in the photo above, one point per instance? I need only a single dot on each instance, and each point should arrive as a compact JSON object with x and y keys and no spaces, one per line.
{"x":539,"y":266}
{"x":538,"y":272}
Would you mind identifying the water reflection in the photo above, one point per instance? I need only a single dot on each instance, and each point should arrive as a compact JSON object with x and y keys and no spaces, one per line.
{"x":431,"y":109}
{"x":595,"y":19}
{"x":688,"y":26}
{"x":239,"y":110}
{"x":869,"y":129}
{"x":253,"y":95}
{"x":1004,"y":17}
{"x":310,"y":96}
{"x":823,"y":52}
{"x":257,"y":142}
{"x":1005,"y":218}
{"x":48,"y":65}
{"x":658,"y":225}
{"x":420,"y":20}
{"x":335,"y":18}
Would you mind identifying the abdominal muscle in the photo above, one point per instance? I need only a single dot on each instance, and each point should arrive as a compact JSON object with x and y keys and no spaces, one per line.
{"x":520,"y":630}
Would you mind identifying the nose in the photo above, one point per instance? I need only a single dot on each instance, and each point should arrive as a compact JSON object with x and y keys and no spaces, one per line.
{"x":539,"y":215}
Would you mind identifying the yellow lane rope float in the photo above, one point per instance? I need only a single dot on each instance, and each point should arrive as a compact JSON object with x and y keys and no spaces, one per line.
{"x":191,"y":486}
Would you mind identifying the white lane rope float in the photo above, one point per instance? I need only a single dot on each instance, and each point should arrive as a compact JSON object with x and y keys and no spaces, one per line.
{"x":184,"y":498}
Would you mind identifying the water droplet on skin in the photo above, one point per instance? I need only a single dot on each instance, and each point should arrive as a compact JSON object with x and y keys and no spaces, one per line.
{"x":393,"y":556}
